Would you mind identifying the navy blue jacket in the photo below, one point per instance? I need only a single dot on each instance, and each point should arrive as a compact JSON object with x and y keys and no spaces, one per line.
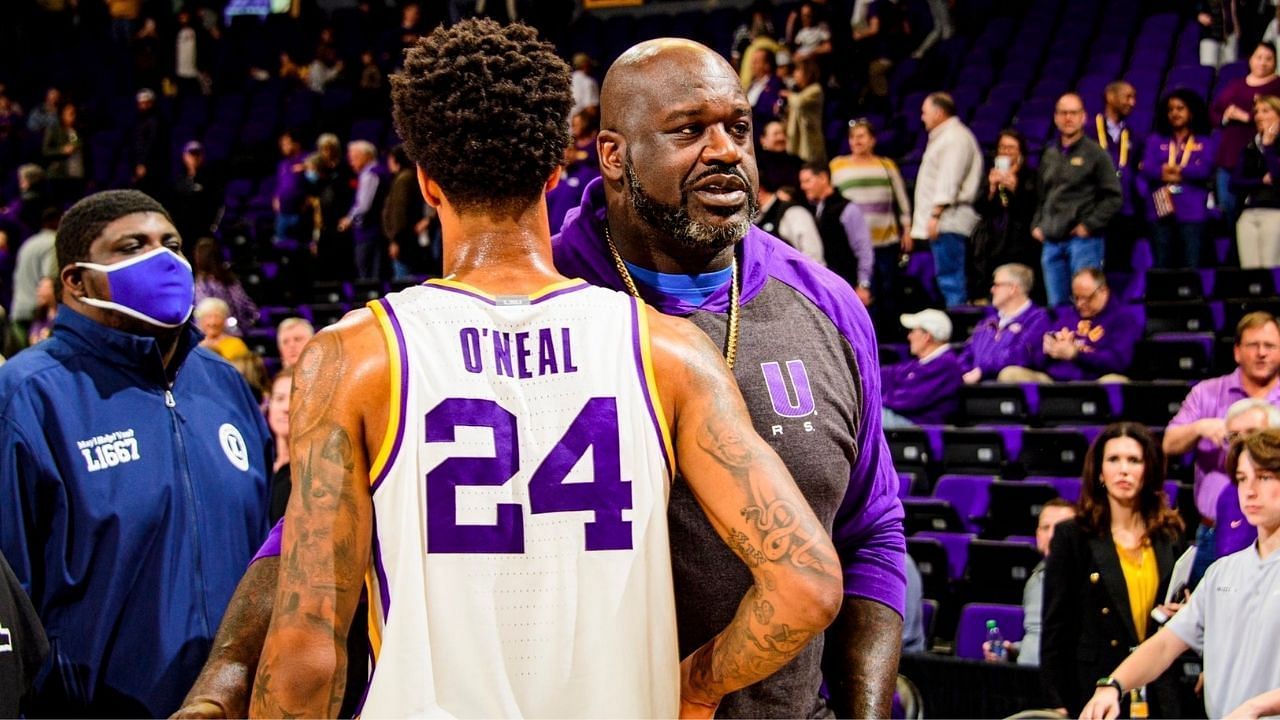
{"x":129,"y":509}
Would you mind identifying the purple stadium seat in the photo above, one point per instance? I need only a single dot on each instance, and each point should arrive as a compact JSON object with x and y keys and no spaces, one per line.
{"x":956,"y":546}
{"x":1068,"y":487}
{"x":369,"y":129}
{"x":971,"y":631}
{"x":1171,"y":493}
{"x":1023,"y":539}
{"x":968,"y":494}
{"x":1232,"y":71}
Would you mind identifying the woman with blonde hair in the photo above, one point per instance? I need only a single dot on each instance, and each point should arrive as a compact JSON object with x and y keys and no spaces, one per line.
{"x":1256,"y":178}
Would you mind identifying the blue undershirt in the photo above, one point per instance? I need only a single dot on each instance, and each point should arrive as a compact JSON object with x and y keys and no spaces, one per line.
{"x":693,"y":289}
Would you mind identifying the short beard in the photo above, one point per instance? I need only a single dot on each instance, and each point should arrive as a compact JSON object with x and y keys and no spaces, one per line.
{"x":674,"y":222}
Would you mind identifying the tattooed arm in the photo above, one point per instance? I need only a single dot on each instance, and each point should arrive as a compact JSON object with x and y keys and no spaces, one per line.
{"x":222,"y":690}
{"x":756,"y":508}
{"x":339,"y":408}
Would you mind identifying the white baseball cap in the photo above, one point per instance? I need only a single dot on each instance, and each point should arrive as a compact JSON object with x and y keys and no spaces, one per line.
{"x":934,"y":322}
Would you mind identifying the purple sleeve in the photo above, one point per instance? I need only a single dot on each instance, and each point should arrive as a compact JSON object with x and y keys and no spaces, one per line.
{"x":1115,"y":353}
{"x":867,"y":531}
{"x":270,"y":548}
{"x":1200,"y":168}
{"x":1153,"y":160}
{"x":855,"y":227}
{"x":929,"y":383}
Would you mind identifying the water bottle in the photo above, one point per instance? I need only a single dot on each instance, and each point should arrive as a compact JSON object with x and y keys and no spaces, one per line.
{"x":1138,"y":704}
{"x":995,"y":640}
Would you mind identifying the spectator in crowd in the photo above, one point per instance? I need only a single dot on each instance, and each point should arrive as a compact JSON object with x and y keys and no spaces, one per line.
{"x":1199,"y":426}
{"x":765,"y":88}
{"x":147,"y":151}
{"x":1027,"y":650}
{"x":804,"y":105}
{"x":946,"y":189}
{"x":1220,"y":42}
{"x":925,"y":390}
{"x":325,"y":69}
{"x":1232,"y":620}
{"x":1258,"y":230}
{"x":1125,"y":145}
{"x":196,"y":197}
{"x":1007,"y":207}
{"x":193,"y":54}
{"x":215,"y":280}
{"x":878,"y":45}
{"x":1178,"y":167}
{"x":1108,"y":569}
{"x":940,"y":13}
{"x":1014,"y":336}
{"x":1232,"y":109}
{"x":794,"y":224}
{"x":371,"y":88}
{"x":63,"y":148}
{"x":42,"y":319}
{"x":812,"y":39}
{"x":96,"y":489}
{"x":846,"y":242}
{"x":292,"y":335}
{"x":278,"y":422}
{"x":1079,"y":195}
{"x":758,"y":26}
{"x":254,"y":371}
{"x":1095,"y":340}
{"x":401,"y":214}
{"x":124,"y":19}
{"x":582,"y":165}
{"x":35,"y":261}
{"x":211,"y":316}
{"x":45,"y":115}
{"x":1231,"y":530}
{"x":875,"y":185}
{"x":333,"y":190}
{"x":778,"y":166}
{"x":364,"y":219}
{"x":586,"y":91}
{"x":22,"y":216}
{"x":291,"y":199}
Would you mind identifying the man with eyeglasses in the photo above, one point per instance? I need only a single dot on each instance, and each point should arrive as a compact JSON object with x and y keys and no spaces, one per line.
{"x":1079,"y":195}
{"x":1232,"y":620}
{"x":1095,"y":338}
{"x":1199,"y":426}
{"x":1011,"y":337}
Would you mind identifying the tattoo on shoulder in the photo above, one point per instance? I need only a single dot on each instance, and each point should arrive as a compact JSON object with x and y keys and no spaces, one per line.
{"x":317,"y":380}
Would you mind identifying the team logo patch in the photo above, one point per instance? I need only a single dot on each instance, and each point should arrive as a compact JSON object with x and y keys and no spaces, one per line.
{"x":780,"y":394}
{"x":232,"y":443}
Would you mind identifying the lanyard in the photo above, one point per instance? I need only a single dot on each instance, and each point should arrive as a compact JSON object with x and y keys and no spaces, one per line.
{"x":1124,"y":139}
{"x":1186,"y":150}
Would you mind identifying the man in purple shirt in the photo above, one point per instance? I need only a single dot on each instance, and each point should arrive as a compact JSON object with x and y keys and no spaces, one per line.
{"x":1095,"y":339}
{"x":1014,"y":335}
{"x":670,"y":219}
{"x":1199,"y":425}
{"x":364,"y":219}
{"x":925,"y":390}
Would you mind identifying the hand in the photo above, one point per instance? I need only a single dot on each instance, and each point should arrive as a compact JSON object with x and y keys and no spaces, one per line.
{"x":1038,"y":234}
{"x":1212,"y":429}
{"x":344,"y":224}
{"x":972,"y":376}
{"x":1199,"y":688}
{"x":1080,"y":231}
{"x":864,"y":294}
{"x":1010,"y":180}
{"x":907,"y":243}
{"x":693,"y":707}
{"x":690,"y":709}
{"x":1204,"y":19}
{"x":1235,"y":113}
{"x":1009,"y":652}
{"x":422,"y":226}
{"x":1171,"y":609}
{"x":393,"y":251}
{"x":994,"y":177}
{"x":1170,"y":174}
{"x":139,"y":171}
{"x":1104,"y":705}
{"x":1266,"y":179}
{"x":200,"y":709}
{"x":1246,"y":711}
{"x":932,"y":228}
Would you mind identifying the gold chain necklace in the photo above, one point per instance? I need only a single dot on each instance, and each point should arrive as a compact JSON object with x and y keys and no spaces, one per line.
{"x":731,"y":344}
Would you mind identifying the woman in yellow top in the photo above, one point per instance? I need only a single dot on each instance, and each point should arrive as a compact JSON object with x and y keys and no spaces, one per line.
{"x":211,"y":315}
{"x":1109,"y":568}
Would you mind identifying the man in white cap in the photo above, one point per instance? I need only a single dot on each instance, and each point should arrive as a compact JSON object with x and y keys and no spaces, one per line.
{"x":926,"y":389}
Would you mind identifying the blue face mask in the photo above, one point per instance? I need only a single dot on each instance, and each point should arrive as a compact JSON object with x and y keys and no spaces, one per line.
{"x":156,"y":287}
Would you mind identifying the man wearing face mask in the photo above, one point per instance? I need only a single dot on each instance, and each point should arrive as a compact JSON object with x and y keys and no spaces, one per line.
{"x":133,"y":469}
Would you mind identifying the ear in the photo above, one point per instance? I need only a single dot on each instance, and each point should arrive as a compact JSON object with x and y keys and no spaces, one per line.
{"x":612,"y":148}
{"x":72,"y":279}
{"x":554,"y":180}
{"x":430,"y":190}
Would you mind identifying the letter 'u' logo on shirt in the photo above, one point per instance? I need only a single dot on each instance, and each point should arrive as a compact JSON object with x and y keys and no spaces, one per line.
{"x":233,"y":446}
{"x":6,"y":640}
{"x":781,"y":395}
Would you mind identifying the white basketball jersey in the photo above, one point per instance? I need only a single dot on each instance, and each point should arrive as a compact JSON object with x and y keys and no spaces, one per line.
{"x":521,"y":565}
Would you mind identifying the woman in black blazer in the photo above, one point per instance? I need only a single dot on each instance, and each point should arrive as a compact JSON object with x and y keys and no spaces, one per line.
{"x":1090,"y":624}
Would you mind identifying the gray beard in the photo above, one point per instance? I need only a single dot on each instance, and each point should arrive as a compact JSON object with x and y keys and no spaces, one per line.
{"x":673,"y":221}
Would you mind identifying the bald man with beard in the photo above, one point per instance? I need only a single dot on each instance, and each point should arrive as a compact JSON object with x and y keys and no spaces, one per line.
{"x":670,"y":220}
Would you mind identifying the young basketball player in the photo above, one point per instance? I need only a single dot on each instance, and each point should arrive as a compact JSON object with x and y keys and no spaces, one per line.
{"x":491,"y":454}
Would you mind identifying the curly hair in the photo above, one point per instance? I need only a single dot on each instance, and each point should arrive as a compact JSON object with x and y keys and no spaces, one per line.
{"x":85,"y":221}
{"x":1095,"y":509}
{"x":483,"y":109}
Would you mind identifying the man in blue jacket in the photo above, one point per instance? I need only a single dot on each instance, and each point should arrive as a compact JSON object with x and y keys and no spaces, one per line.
{"x":133,"y":469}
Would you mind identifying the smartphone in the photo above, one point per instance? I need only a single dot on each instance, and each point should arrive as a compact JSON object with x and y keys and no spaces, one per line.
{"x":1003,"y":162}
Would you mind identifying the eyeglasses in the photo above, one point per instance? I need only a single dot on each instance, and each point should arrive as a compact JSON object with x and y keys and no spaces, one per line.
{"x":1079,"y":300}
{"x":1001,"y":283}
{"x":1256,"y":346}
{"x":1068,"y":112}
